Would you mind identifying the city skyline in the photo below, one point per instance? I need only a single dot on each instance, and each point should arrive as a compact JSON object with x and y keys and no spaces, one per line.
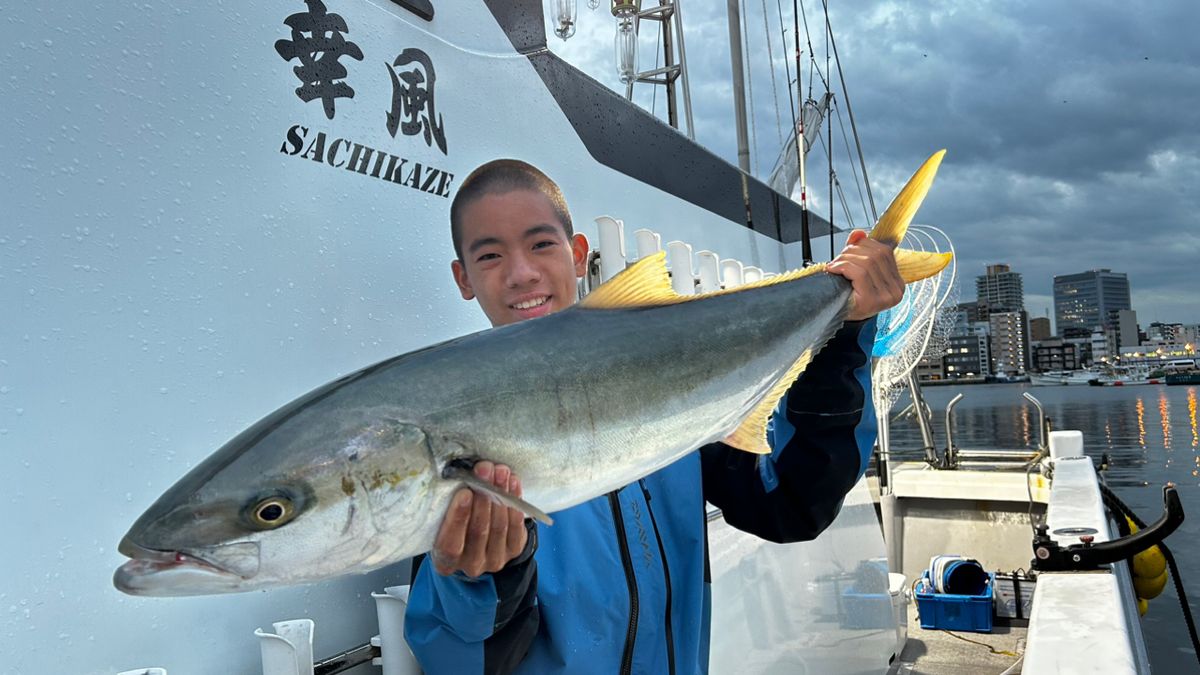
{"x":1040,"y":306}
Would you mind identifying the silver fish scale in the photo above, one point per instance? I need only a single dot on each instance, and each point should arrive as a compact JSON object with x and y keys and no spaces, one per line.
{"x":586,"y":400}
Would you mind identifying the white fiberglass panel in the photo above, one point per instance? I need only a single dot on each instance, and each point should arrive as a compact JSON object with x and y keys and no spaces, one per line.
{"x":803,"y":608}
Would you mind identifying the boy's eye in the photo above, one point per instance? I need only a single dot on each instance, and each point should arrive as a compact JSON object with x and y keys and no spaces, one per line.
{"x":544,"y":244}
{"x":487,"y":256}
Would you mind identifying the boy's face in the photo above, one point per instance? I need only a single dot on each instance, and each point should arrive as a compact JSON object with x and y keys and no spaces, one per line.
{"x":516,"y":258}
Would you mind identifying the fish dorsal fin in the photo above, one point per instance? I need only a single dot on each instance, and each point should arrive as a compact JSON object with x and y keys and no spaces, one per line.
{"x":643,"y":284}
{"x":917,"y":265}
{"x":646,"y":283}
{"x":895,"y":221}
{"x":751,"y":435}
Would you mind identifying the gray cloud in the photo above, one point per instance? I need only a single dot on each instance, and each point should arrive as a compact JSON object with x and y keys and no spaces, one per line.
{"x":1073,"y":129}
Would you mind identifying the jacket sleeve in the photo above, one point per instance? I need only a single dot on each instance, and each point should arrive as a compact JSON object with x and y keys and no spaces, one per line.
{"x":460,"y":624}
{"x":821,"y":434}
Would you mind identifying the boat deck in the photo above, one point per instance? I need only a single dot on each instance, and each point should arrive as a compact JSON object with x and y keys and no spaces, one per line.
{"x":939,"y":652}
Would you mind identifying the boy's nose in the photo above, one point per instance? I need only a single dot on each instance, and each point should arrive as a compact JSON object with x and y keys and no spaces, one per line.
{"x":522,"y":272}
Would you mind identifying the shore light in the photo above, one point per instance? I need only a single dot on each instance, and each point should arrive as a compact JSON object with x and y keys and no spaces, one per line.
{"x":625,"y":42}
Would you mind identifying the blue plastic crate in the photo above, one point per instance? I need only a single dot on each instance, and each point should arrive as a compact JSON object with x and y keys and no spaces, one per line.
{"x":946,"y":611}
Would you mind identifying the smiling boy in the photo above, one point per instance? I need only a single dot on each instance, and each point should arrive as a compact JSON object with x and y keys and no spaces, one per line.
{"x":620,"y":583}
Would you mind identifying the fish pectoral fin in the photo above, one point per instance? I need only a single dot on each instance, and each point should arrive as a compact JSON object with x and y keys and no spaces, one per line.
{"x":751,"y":435}
{"x":460,"y":473}
{"x":917,"y":265}
{"x":899,"y":214}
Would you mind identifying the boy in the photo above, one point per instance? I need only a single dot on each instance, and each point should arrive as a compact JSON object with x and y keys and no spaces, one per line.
{"x":620,"y":583}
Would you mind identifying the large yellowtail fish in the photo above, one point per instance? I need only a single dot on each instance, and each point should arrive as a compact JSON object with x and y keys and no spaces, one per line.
{"x":358,"y":473}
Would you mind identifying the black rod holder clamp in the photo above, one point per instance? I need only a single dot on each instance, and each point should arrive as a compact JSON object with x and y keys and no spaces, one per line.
{"x":1049,"y":556}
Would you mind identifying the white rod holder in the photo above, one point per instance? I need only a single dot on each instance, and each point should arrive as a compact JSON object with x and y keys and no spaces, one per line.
{"x":751,"y":275}
{"x":709,"y":265}
{"x":731,"y":273}
{"x":287,"y":651}
{"x":649,"y":242}
{"x":611,"y":245}
{"x":397,"y":658}
{"x":679,"y":257}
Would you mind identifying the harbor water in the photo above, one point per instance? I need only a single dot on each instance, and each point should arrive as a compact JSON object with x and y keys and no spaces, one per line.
{"x":1151,"y":437}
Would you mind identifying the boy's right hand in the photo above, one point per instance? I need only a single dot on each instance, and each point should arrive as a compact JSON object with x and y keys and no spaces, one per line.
{"x":478,"y":535}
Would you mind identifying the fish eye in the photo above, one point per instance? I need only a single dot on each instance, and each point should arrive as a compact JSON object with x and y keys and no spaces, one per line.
{"x":272,"y":512}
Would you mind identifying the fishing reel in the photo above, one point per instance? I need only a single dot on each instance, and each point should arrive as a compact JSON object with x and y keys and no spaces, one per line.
{"x":1050,"y":556}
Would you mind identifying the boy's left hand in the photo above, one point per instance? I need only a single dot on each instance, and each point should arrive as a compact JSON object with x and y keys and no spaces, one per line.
{"x":870,"y":266}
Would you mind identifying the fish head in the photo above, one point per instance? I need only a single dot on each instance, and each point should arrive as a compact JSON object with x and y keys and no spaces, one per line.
{"x":316,"y":495}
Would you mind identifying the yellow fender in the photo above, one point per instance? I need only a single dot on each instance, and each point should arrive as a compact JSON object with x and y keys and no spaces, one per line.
{"x":1149,"y":564}
{"x":1150,"y":587}
{"x":1149,"y":571}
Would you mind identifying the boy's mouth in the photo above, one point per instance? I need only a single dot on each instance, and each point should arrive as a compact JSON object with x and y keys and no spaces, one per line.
{"x":530,"y":304}
{"x":532,"y":307}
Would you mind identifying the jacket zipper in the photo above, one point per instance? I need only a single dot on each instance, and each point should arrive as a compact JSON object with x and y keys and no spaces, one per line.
{"x":662,"y":554}
{"x":627,"y":562}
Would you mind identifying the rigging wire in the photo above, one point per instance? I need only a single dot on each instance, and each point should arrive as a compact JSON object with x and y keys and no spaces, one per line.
{"x":842,"y":200}
{"x":812,"y":60}
{"x":771,"y":70}
{"x":829,"y":132}
{"x":837,"y":184}
{"x":787,"y":69}
{"x":805,"y":235}
{"x":853,"y":169}
{"x":850,"y":112}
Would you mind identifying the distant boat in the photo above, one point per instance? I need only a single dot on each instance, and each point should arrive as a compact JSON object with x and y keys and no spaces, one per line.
{"x":1052,"y":378}
{"x":1124,"y":377}
{"x":1184,"y":378}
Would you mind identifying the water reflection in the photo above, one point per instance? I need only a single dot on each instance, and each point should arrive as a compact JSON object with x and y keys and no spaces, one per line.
{"x":1141,"y":419}
{"x":1112,"y":419}
{"x":1164,"y":415}
{"x":1191,"y":398}
{"x":1025,"y":424}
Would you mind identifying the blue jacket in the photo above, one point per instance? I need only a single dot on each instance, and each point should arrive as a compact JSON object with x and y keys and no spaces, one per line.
{"x":620,"y":584}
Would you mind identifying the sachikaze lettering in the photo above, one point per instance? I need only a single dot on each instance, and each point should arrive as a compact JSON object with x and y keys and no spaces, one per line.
{"x":342,"y":153}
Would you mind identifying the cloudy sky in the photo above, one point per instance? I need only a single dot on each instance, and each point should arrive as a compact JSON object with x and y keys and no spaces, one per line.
{"x":1072,"y":128}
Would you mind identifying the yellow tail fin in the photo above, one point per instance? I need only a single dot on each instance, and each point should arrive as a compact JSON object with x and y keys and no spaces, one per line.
{"x":917,"y":265}
{"x":895,"y":221}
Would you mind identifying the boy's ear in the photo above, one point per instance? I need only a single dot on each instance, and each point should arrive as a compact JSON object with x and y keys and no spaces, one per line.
{"x":579,"y":252}
{"x":461,"y":280}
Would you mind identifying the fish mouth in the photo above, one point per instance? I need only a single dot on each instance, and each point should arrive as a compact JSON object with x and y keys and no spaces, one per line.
{"x":157,"y":572}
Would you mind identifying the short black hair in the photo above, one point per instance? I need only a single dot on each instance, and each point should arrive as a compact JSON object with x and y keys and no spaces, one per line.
{"x":501,"y":176}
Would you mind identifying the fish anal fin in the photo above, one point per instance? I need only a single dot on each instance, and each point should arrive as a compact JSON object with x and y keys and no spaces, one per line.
{"x":455,"y":471}
{"x":751,"y":435}
{"x":917,"y":265}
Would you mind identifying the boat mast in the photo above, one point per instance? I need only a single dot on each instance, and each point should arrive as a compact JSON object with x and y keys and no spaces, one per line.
{"x":805,"y":236}
{"x":739,"y":84}
{"x":674,"y":57}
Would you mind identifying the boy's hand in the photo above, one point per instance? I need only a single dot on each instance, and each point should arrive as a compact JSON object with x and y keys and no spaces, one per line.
{"x":477,"y":534}
{"x":871,"y":267}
